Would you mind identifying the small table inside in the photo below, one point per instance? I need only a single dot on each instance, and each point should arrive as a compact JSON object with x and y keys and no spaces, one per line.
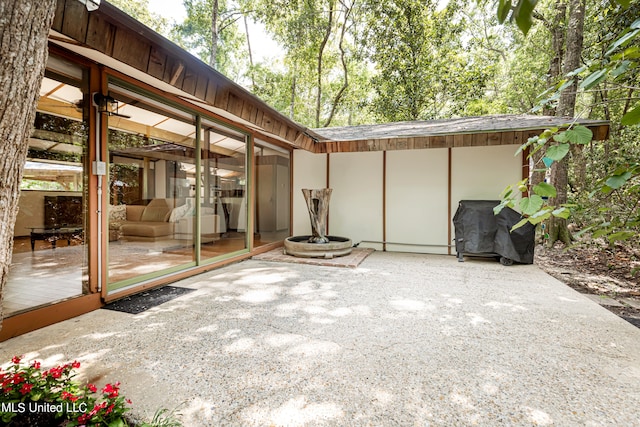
{"x":54,"y":234}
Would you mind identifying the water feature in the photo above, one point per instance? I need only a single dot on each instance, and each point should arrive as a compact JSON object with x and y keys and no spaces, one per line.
{"x":318,"y":244}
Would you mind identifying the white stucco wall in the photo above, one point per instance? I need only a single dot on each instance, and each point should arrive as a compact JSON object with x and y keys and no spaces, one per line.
{"x":482,"y":173}
{"x":417,"y":208}
{"x":356,"y":206}
{"x":309,"y":171}
{"x":417,"y":199}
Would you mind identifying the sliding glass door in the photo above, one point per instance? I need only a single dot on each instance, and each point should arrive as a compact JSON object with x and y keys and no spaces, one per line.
{"x":152,"y":188}
{"x":50,"y":234}
{"x":273,"y":188}
{"x":223,"y":189}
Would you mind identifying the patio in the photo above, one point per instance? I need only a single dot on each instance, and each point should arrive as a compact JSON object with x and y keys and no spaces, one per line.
{"x":402,"y":339}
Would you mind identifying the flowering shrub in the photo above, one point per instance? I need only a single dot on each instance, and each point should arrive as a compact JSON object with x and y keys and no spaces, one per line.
{"x":29,"y":392}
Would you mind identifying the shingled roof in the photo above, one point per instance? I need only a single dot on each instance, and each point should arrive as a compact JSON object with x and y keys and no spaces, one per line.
{"x":458,"y":132}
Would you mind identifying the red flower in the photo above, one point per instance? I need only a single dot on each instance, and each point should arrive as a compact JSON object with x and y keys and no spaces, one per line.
{"x":92,"y":388}
{"x":55,"y":372}
{"x":75,"y":364}
{"x":18,"y":378}
{"x":16,"y":359}
{"x":109,"y":409}
{"x":26,"y":388}
{"x":35,"y":364}
{"x":111,"y":390}
{"x":68,"y":396}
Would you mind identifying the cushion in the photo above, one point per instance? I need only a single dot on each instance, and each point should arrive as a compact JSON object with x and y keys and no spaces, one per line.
{"x":179,"y":212}
{"x":158,"y":203}
{"x":117,"y":212}
{"x":154,"y":213}
{"x":134,"y":212}
{"x":147,"y":229}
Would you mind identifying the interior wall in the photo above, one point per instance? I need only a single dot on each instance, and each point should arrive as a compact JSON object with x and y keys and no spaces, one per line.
{"x":31,"y":209}
{"x":161,"y":178}
{"x":309,"y":171}
{"x":417,"y":201}
{"x":355,"y":209}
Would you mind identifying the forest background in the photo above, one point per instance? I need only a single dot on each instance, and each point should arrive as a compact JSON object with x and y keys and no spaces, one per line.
{"x":352,"y":62}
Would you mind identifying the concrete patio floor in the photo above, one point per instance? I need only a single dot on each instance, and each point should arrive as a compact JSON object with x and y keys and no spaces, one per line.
{"x":403,"y":339}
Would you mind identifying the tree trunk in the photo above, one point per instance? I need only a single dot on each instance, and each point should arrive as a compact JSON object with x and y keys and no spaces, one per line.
{"x":557,"y":46}
{"x":323,"y":44}
{"x":345,"y":71}
{"x":557,"y":30}
{"x":24,"y":29}
{"x":251,"y":71}
{"x":213,"y":59}
{"x":292,"y":105}
{"x":566,"y":107}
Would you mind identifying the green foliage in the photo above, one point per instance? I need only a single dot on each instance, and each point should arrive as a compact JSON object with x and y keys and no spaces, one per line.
{"x":322,"y":75}
{"x":164,"y":418}
{"x":543,"y":189}
{"x":424,"y":69}
{"x":607,"y":80}
{"x":221,"y":50}
{"x":632,"y":117}
{"x":139,"y":9}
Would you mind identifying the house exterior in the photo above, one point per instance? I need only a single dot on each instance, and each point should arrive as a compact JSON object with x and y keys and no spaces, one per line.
{"x":146,"y":166}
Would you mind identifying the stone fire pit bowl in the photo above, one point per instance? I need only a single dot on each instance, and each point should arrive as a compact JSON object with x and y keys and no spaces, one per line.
{"x":300,"y":247}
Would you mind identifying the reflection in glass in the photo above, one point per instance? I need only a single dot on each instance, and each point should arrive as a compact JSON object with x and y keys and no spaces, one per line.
{"x":272,"y":194}
{"x":223,"y":191}
{"x":151,"y":189}
{"x":49,"y":260}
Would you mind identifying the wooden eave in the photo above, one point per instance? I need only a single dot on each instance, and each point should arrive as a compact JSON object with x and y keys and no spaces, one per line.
{"x":115,"y":34}
{"x":448,"y":133}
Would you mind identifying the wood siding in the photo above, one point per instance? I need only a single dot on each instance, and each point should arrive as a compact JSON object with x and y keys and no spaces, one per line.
{"x":600,"y":133}
{"x":113,"y":33}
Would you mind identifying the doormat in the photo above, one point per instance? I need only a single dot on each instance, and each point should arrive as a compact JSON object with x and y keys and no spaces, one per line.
{"x":138,"y":303}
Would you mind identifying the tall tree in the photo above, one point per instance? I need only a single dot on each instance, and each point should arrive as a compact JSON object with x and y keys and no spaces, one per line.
{"x":210,"y":32}
{"x":139,"y":9}
{"x":424,"y":70}
{"x":566,"y":108}
{"x":24,"y":29}
{"x":319,"y":38}
{"x":609,"y":76}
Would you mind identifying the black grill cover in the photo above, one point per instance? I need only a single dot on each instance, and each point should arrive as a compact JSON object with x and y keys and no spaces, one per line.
{"x":479,"y":232}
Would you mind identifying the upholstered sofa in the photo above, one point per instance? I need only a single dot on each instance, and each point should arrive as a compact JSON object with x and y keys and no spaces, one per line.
{"x":158,"y":220}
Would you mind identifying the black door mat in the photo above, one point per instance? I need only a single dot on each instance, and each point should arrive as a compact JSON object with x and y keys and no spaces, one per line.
{"x":138,"y":303}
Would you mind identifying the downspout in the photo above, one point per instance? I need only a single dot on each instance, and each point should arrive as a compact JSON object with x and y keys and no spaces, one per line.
{"x":99,"y":169}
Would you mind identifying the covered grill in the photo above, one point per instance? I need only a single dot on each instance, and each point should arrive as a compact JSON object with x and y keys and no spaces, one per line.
{"x":479,"y":232}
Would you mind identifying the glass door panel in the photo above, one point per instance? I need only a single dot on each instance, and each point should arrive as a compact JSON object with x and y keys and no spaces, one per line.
{"x":223,"y":184}
{"x":50,"y":257}
{"x":272,"y":194}
{"x":152,"y":181}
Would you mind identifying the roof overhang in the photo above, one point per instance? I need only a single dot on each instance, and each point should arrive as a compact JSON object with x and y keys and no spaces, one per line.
{"x":458,"y":132}
{"x":109,"y":36}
